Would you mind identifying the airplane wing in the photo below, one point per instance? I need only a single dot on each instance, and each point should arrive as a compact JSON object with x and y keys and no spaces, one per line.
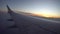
{"x":34,"y":25}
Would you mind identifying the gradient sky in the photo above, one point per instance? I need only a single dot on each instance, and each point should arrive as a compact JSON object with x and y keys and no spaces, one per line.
{"x":33,"y":6}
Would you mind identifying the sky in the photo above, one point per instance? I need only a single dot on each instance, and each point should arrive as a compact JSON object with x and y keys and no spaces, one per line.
{"x":47,"y":8}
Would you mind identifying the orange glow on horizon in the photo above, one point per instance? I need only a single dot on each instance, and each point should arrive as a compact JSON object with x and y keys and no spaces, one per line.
{"x":46,"y":15}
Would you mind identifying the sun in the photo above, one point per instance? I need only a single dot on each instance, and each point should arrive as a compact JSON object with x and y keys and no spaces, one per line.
{"x":47,"y":13}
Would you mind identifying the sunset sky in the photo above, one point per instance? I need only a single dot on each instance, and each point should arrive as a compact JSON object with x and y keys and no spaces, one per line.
{"x":46,"y":8}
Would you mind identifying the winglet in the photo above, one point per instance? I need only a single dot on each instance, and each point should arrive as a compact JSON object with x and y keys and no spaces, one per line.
{"x":9,"y":10}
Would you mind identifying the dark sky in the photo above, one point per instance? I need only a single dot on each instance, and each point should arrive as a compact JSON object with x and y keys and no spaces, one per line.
{"x":33,"y":6}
